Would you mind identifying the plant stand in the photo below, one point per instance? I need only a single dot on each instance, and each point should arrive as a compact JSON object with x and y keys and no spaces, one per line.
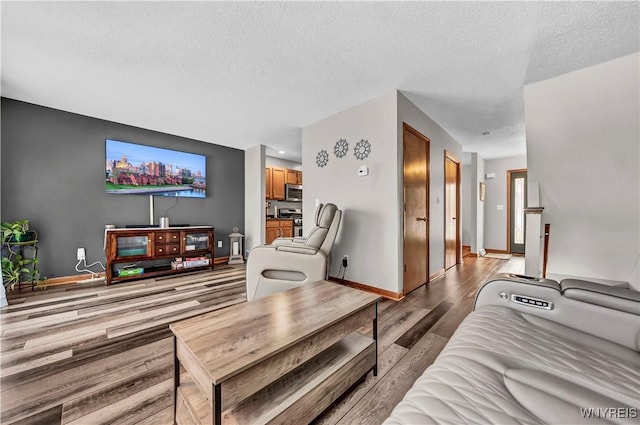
{"x":18,"y":251}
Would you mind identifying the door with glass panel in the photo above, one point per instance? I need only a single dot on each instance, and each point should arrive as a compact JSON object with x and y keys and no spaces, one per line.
{"x":517,"y":204}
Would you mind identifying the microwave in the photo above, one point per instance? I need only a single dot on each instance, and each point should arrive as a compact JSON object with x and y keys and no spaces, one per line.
{"x":293,"y":192}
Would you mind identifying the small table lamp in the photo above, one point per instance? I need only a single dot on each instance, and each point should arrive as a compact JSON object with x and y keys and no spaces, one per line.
{"x":235,"y":246}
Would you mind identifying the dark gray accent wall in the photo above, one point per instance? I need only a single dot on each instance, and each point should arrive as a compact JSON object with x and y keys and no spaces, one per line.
{"x":53,"y":168}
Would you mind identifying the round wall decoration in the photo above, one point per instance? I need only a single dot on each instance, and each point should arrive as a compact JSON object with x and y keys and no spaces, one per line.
{"x":341,"y":148}
{"x":322,"y":158}
{"x":362,"y":149}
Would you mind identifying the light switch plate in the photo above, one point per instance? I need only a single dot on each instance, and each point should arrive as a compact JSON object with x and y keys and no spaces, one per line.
{"x":219,"y":244}
{"x":500,"y":207}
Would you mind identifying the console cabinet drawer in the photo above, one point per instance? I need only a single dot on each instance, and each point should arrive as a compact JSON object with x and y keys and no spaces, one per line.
{"x":173,"y":249}
{"x":168,"y":237}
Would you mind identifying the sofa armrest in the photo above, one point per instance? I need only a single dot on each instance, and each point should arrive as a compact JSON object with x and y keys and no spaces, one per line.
{"x":491,"y":292}
{"x":578,"y":309}
{"x":613,"y":297}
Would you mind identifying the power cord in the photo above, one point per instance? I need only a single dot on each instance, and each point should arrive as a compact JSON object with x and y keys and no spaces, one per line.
{"x":86,"y":267}
{"x":171,"y":207}
{"x":343,"y":267}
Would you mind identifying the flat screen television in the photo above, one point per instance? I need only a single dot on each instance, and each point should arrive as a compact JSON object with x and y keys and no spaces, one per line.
{"x":133,"y":169}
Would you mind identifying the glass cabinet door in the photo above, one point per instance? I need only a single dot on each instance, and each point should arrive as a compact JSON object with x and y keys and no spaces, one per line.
{"x":132,"y":246}
{"x":196,"y":241}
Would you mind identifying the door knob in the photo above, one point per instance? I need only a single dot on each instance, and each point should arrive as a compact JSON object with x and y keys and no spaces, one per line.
{"x":421,"y":219}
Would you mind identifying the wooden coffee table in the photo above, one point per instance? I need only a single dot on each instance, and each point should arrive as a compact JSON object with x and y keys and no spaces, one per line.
{"x":280,"y":359}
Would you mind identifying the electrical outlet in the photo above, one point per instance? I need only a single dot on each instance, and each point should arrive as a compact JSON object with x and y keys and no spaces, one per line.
{"x":345,"y":261}
{"x":81,"y":255}
{"x":219,"y":244}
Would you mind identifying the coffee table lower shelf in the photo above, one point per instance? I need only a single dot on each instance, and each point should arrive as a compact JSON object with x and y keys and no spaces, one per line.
{"x":297,"y":397}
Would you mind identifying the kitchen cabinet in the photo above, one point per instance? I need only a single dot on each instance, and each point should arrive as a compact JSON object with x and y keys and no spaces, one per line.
{"x":294,"y":177}
{"x":141,"y":253}
{"x":278,"y":228}
{"x":275,"y":178}
{"x":268,"y":178}
{"x":277,"y":183}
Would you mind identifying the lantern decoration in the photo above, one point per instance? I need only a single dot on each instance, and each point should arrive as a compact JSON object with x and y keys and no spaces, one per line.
{"x":236,"y":247}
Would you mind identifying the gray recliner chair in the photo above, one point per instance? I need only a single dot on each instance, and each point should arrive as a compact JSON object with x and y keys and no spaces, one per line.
{"x":291,"y":262}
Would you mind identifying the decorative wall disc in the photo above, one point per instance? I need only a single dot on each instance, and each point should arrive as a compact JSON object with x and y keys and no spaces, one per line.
{"x":341,"y":148}
{"x":322,"y":158}
{"x":362,"y":149}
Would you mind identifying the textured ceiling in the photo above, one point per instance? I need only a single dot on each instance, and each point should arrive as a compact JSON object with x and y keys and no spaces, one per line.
{"x":242,"y":74}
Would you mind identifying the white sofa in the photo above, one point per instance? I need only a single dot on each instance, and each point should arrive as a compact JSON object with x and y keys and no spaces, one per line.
{"x":514,"y":360}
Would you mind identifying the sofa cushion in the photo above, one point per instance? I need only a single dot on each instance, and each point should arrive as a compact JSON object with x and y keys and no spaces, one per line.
{"x":457,"y":390}
{"x":501,"y":364}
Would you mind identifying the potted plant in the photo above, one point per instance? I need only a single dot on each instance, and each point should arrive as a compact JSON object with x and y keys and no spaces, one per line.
{"x":16,"y":267}
{"x":17,"y":231}
{"x":10,"y":273}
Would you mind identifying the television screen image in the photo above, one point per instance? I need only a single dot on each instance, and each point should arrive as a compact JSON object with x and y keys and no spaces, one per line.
{"x":133,"y":169}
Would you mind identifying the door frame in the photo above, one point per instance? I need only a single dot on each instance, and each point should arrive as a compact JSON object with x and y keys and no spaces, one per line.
{"x":509,"y":172}
{"x":407,"y":128}
{"x":451,"y":157}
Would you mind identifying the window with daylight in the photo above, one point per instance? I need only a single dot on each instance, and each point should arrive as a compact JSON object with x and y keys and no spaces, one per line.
{"x":519,"y":211}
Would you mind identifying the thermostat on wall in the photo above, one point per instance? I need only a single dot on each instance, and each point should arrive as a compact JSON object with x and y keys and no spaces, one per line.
{"x":363,"y":170}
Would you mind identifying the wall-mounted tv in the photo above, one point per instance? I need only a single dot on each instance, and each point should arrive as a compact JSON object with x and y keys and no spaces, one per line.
{"x":134,"y":169}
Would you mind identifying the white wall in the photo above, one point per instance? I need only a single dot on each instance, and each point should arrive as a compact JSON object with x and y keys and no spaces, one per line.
{"x":440,"y":141}
{"x":495,"y":221}
{"x":465,"y":197}
{"x":477,"y":206}
{"x":371,"y":232}
{"x":272,"y":161}
{"x":254,"y":196}
{"x":369,"y":229}
{"x":583,"y":137}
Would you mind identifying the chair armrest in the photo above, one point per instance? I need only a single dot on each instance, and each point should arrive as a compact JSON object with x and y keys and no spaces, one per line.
{"x":614,"y":297}
{"x":288,"y":241}
{"x":280,"y":241}
{"x":301,"y":249}
{"x":269,"y":257}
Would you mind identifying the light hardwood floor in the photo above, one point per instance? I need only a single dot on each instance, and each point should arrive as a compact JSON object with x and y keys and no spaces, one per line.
{"x":103,"y":355}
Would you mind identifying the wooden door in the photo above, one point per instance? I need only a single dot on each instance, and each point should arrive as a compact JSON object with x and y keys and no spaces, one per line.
{"x":291,"y":177}
{"x":517,"y":202}
{"x":416,"y":208}
{"x":451,"y":210}
{"x":277,"y":183}
{"x":299,"y":177}
{"x":268,"y":179}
